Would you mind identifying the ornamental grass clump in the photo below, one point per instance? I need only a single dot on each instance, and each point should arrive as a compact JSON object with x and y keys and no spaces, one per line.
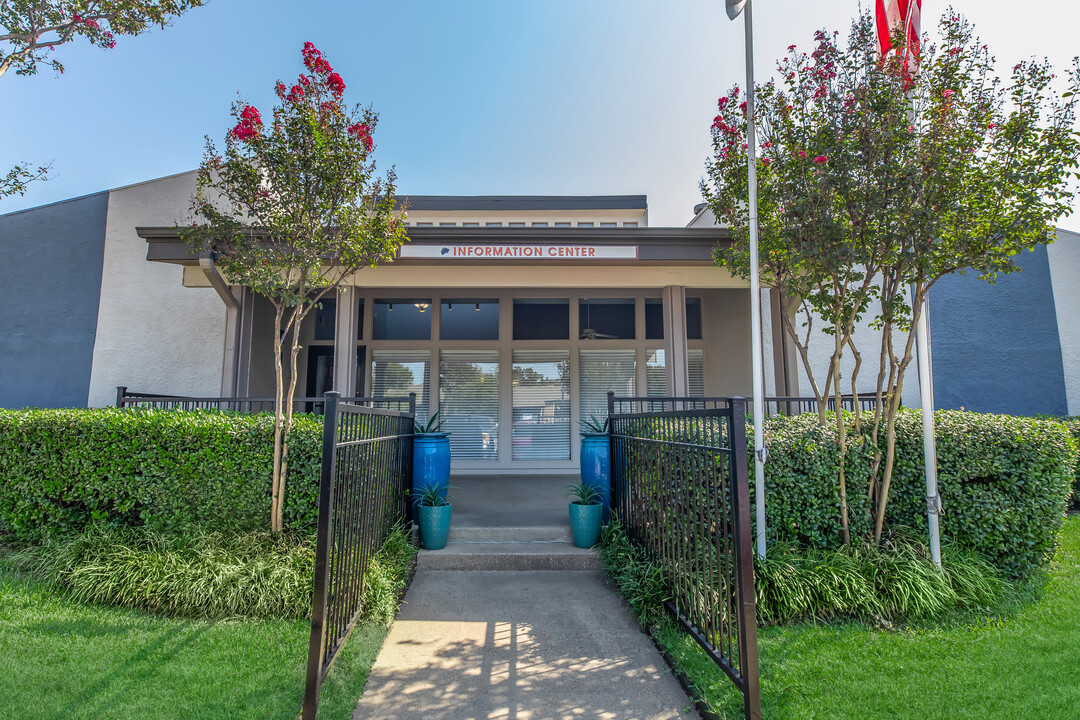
{"x":895,"y":582}
{"x":205,"y":575}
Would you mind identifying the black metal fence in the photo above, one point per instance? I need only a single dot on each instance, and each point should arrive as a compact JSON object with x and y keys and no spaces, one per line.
{"x":252,"y":405}
{"x":681,"y":487}
{"x":773,"y":405}
{"x":366,"y":467}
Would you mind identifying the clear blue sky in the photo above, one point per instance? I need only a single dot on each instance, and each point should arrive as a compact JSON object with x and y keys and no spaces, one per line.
{"x":475,"y":97}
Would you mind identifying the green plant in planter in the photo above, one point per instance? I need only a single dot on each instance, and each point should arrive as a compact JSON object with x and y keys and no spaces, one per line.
{"x":433,"y":511}
{"x":433,"y":425}
{"x":593,"y":425}
{"x":586,"y":513}
{"x":583,"y":494}
{"x":432,"y":496}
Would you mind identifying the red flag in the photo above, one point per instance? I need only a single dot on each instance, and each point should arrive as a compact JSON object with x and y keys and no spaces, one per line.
{"x":893,"y":14}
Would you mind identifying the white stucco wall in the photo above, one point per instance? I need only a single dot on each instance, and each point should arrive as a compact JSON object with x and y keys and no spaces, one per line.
{"x":153,"y":334}
{"x":1064,"y":256}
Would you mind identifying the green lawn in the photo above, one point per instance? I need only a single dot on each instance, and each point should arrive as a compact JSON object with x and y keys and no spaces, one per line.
{"x":1022,"y":663}
{"x":61,"y":660}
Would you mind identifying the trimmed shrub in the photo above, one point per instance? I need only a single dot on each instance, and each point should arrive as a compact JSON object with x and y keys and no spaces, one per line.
{"x":165,"y":470}
{"x":1073,"y":425}
{"x":1004,"y":483}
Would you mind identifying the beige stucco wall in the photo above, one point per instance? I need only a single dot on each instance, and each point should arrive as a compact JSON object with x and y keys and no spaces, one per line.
{"x":153,"y":334}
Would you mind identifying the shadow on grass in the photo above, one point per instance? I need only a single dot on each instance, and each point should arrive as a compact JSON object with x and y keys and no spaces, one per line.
{"x":107,"y":691}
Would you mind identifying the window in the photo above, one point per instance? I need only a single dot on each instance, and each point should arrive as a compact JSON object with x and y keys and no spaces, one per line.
{"x":425,"y":224}
{"x":470,"y":224}
{"x":517,"y":224}
{"x":448,"y":224}
{"x":601,"y":371}
{"x":493,"y":224}
{"x":654,"y":319}
{"x":404,"y":319}
{"x":325,"y":318}
{"x":469,"y":319}
{"x":695,"y":360}
{"x":656,"y":373}
{"x":539,"y":224}
{"x":693,"y":318}
{"x":562,"y":224}
{"x":584,"y":224}
{"x":541,"y":399}
{"x":542,"y":319}
{"x":396,"y":373}
{"x":606,"y":318}
{"x":469,"y":402}
{"x":603,"y":224}
{"x":629,"y":224}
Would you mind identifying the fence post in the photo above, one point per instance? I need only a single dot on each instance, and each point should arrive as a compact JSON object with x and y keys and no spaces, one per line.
{"x":740,"y":490}
{"x":412,"y":405}
{"x":121,"y":391}
{"x":318,"y":600}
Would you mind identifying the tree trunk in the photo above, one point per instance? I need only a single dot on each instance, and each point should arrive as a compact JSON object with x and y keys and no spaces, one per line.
{"x":841,"y":434}
{"x":290,"y":394}
{"x":279,"y":421}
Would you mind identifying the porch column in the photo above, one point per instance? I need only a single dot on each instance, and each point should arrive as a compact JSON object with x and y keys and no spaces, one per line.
{"x":230,"y":363}
{"x":345,"y":343}
{"x":676,"y":366}
{"x":245,"y":324}
{"x":785,"y":359}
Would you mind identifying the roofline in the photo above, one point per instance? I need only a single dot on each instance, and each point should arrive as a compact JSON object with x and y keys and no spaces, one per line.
{"x":674,"y":243}
{"x":534,"y":203}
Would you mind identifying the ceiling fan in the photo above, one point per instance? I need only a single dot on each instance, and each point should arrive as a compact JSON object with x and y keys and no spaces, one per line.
{"x":589,"y":333}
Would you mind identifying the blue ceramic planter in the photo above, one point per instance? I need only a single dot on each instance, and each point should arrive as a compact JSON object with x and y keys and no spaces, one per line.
{"x":596,"y":467}
{"x":431,"y":463}
{"x":434,"y":526}
{"x":585,"y":524}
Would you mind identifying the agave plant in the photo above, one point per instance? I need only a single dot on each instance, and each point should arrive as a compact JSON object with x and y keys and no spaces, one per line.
{"x":594,"y":424}
{"x":431,"y":426}
{"x":432,"y":496}
{"x":583,"y":493}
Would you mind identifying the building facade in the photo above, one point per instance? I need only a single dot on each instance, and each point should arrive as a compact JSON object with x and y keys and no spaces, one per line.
{"x":510,"y":316}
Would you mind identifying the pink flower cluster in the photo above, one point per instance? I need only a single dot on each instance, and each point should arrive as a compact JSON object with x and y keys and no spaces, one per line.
{"x":249,"y":125}
{"x":362,"y":132}
{"x":317,"y":64}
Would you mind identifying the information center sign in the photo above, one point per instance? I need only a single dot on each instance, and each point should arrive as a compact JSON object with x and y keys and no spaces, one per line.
{"x":484,"y":251}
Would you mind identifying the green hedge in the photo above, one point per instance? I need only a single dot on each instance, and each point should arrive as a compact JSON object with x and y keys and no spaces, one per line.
{"x":1004,"y":483}
{"x":1073,"y":424}
{"x":163,"y":470}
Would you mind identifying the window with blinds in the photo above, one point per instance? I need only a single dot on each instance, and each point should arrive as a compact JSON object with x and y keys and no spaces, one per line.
{"x":656,"y":375}
{"x":601,"y":371}
{"x":695,"y":360}
{"x":541,"y":400}
{"x":396,"y":373}
{"x":469,"y":402}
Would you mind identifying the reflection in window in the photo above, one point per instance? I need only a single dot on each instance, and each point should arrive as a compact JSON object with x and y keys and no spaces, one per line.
{"x":469,"y":319}
{"x":541,"y":399}
{"x":396,"y":373}
{"x":655,"y":374}
{"x":469,"y":402}
{"x":405,"y":319}
{"x":606,"y":318}
{"x":542,"y":319}
{"x":601,"y":371}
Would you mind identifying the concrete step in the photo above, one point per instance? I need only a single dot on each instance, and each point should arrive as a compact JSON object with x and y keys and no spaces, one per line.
{"x":530,"y":534}
{"x":508,"y":556}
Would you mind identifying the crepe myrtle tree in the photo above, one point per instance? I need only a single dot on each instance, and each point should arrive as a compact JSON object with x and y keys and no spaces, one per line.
{"x":879,"y":177}
{"x":292,"y":209}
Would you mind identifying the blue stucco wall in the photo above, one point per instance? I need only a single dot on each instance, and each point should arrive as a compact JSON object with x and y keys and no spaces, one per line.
{"x":996,"y":347}
{"x":50,"y":281}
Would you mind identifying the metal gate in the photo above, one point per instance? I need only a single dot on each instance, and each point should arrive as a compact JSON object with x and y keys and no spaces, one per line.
{"x":681,"y":487}
{"x":366,"y":467}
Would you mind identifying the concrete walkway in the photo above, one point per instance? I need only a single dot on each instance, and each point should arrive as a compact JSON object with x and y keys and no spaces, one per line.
{"x":518,"y":645}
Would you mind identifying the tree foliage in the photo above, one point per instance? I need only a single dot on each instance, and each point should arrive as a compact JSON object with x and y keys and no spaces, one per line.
{"x":293,"y":210}
{"x":875,"y":182}
{"x":32,"y":29}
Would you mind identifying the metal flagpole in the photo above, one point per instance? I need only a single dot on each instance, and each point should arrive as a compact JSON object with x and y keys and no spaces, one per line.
{"x":910,"y":13}
{"x":926,"y":394}
{"x":734,"y":7}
